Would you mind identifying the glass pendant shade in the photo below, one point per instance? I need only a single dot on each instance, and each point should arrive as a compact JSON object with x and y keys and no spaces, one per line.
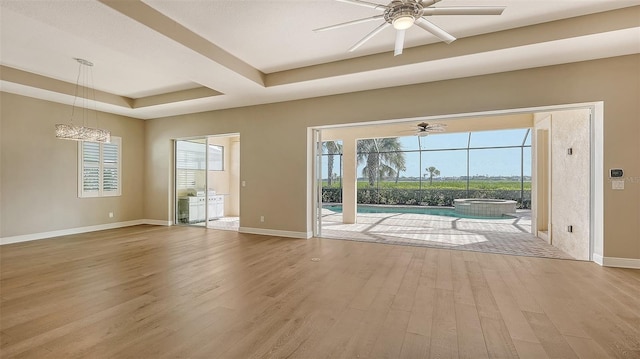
{"x":81,"y":133}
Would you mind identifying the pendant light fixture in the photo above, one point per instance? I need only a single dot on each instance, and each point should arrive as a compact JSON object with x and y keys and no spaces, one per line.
{"x":81,"y":131}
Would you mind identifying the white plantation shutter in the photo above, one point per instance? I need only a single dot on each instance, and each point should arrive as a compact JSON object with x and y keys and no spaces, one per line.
{"x":90,"y":168}
{"x":91,"y":179}
{"x":100,"y":168}
{"x":110,"y":168}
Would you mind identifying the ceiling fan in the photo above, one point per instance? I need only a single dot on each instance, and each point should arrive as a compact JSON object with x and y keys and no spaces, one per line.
{"x":403,"y":14}
{"x":427,"y":128}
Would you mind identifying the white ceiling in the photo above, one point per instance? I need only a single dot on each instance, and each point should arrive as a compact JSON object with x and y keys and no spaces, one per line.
{"x":261,"y":51}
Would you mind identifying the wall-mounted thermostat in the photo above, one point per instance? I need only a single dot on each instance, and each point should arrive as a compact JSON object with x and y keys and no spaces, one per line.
{"x":616,"y":173}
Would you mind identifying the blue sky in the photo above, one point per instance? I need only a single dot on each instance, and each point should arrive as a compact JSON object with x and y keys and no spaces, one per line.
{"x":452,"y":163}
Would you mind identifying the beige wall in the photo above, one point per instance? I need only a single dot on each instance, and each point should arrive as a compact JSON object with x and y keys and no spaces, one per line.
{"x":275,"y":158}
{"x":268,"y":166}
{"x":39,"y":172}
{"x":274,"y":137}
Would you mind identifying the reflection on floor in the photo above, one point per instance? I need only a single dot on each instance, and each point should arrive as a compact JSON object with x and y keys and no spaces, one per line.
{"x":505,"y":236}
{"x":224,"y":223}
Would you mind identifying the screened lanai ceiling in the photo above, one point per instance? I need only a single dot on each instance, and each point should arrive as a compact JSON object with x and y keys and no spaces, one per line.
{"x":466,"y":140}
{"x":461,"y":155}
{"x":157,"y":58}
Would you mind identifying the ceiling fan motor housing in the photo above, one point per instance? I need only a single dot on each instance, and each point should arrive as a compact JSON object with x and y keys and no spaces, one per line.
{"x":403,"y":14}
{"x":398,"y":9}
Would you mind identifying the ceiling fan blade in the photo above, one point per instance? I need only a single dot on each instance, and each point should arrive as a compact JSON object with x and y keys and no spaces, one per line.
{"x":399,"y":43}
{"x":365,"y":4}
{"x":435,"y":127}
{"x":369,"y":36}
{"x":464,"y":10}
{"x":432,"y":28}
{"x":337,"y":26}
{"x":426,"y":3}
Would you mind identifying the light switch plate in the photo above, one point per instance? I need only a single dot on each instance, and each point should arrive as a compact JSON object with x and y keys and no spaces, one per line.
{"x":616,"y":173}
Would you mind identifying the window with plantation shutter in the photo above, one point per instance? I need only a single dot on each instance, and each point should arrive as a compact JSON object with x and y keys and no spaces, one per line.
{"x":99,"y":168}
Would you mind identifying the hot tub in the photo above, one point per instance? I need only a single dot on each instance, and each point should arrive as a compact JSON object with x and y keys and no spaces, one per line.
{"x":485,"y":207}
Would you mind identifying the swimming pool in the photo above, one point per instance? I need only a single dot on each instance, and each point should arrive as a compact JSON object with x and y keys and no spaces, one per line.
{"x":434,"y":211}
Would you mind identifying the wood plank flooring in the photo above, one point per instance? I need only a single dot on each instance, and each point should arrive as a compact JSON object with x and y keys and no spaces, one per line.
{"x":184,"y":292}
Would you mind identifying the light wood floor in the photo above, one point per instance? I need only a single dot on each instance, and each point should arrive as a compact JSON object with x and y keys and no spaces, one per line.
{"x":156,"y":292}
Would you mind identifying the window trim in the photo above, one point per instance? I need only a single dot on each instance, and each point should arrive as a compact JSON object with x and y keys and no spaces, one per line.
{"x":101,"y":167}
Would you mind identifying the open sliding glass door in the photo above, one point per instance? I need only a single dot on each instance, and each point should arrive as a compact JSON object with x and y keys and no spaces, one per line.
{"x":207,"y":188}
{"x":317,"y":179}
{"x":190,"y":181}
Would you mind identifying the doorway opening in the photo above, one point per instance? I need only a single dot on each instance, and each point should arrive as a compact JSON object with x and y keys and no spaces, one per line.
{"x":207,"y":181}
{"x":409,"y":197}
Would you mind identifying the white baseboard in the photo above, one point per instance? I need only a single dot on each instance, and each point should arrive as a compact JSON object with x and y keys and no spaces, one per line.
{"x":630,"y":263}
{"x":66,"y":232}
{"x":276,"y":233}
{"x":157,"y":222}
{"x":598,"y":259}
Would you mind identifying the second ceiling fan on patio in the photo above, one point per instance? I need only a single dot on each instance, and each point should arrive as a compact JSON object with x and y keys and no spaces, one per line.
{"x":403,"y":14}
{"x":427,"y":128}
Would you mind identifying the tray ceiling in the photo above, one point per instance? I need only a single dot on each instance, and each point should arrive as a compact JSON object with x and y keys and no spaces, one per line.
{"x":158,"y":58}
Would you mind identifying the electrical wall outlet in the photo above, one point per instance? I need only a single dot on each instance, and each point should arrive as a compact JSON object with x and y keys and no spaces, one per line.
{"x":110,"y":214}
{"x":261,"y":218}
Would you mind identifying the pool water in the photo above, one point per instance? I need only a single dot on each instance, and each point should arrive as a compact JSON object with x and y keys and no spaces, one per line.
{"x":447,"y":212}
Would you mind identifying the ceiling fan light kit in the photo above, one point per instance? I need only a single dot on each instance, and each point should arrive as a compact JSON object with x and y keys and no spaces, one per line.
{"x":403,"y":22}
{"x":403,"y":14}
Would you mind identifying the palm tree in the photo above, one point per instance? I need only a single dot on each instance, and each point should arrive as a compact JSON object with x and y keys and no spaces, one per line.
{"x":400,"y":164}
{"x":332,"y":148}
{"x":433,"y":172}
{"x":382,"y":157}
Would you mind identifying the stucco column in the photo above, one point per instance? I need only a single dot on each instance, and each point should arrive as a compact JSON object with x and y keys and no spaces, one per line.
{"x":349,"y":180}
